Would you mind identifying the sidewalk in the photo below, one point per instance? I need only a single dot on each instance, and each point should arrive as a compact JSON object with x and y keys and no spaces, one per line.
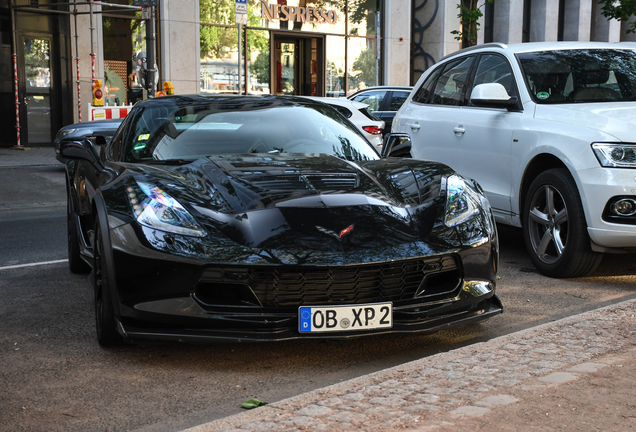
{"x":33,"y":156}
{"x":575,"y":374}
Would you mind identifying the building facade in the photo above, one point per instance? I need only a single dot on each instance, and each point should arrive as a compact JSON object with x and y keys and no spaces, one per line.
{"x":294,"y":47}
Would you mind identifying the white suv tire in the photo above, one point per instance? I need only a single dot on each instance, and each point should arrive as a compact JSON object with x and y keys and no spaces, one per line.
{"x":554,"y":227}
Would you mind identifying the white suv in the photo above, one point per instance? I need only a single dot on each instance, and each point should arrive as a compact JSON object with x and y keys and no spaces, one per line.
{"x":549,"y":131}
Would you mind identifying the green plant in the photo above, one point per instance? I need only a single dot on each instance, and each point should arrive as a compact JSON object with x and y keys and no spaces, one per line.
{"x":469,"y":15}
{"x":621,"y":10}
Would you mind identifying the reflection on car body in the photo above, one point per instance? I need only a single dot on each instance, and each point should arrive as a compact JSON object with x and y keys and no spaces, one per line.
{"x":240,"y":218}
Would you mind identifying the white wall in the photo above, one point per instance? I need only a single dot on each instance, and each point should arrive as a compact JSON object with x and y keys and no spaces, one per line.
{"x":180,"y":58}
{"x":397,"y":42}
{"x":84,"y":48}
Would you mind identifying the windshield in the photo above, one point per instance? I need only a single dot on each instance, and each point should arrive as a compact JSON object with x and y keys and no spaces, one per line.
{"x":173,"y":129}
{"x":571,"y":76}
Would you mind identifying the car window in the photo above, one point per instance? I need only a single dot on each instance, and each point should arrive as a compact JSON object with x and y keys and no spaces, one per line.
{"x":449,"y":89}
{"x":342,"y":110}
{"x":570,"y":76}
{"x":372,"y":98}
{"x":495,"y":69}
{"x":426,"y":89}
{"x":170,"y":130}
{"x":397,"y":99}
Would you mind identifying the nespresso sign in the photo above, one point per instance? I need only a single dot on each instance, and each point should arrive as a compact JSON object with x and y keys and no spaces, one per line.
{"x":277,"y":12}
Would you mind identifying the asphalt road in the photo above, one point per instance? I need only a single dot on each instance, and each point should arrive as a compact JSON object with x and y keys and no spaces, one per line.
{"x":55,"y":377}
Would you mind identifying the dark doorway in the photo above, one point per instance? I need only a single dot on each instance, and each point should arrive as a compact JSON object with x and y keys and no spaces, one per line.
{"x":298,"y":65}
{"x":37,"y":88}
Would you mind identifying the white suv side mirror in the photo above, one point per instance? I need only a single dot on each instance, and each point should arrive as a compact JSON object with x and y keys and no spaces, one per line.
{"x":492,"y":95}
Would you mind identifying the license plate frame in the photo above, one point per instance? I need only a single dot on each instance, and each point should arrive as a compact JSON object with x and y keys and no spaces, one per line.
{"x":345,"y":318}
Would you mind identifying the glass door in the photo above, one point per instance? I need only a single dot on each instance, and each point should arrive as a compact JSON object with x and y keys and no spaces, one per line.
{"x":298,"y":66}
{"x":285,"y":64}
{"x":37,"y":89}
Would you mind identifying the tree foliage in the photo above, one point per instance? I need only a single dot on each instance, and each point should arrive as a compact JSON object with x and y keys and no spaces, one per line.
{"x":217,"y":41}
{"x":621,"y":10}
{"x":469,"y":15}
{"x":365,"y":65}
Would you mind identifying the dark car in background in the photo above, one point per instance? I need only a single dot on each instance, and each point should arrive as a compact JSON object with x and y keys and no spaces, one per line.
{"x":383,"y":101}
{"x":100,"y":131}
{"x":241,"y":218}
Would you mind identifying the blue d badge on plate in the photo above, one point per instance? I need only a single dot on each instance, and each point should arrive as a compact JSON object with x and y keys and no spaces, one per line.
{"x":305,"y":319}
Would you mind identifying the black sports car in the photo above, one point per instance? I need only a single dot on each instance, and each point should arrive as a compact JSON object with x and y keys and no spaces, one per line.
{"x":239,"y":218}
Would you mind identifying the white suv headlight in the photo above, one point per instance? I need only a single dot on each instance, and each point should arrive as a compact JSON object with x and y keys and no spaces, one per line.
{"x":615,"y":155}
{"x":462,"y":201}
{"x":156,"y":209}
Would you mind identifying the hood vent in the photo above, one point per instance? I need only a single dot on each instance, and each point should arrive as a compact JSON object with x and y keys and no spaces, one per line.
{"x":320,"y":182}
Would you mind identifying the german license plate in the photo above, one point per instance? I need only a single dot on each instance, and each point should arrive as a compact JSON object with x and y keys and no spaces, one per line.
{"x":320,"y":319}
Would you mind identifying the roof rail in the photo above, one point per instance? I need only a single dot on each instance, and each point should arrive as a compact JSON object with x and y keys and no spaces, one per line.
{"x":486,"y":45}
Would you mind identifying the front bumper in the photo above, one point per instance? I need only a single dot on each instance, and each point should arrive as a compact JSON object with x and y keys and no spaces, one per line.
{"x":168,"y":297}
{"x":233,"y":327}
{"x":598,"y":186}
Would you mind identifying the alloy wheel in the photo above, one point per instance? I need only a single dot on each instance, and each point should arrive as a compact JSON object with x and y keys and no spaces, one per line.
{"x":548,"y":224}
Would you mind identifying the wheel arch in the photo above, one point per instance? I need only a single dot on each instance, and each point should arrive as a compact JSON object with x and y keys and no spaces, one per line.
{"x":540,"y":163}
{"x":100,"y":213}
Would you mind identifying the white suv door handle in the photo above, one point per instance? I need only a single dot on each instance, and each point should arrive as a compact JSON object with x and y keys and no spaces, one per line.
{"x":415,"y":126}
{"x":459,"y":130}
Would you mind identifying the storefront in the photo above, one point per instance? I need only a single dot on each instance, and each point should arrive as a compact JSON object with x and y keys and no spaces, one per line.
{"x":42,"y":68}
{"x":292,"y":47}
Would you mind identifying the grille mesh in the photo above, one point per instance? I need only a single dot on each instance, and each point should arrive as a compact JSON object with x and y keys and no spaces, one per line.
{"x":317,"y":181}
{"x":365,"y":283}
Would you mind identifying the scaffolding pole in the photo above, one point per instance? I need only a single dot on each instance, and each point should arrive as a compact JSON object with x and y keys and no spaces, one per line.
{"x":18,"y":146}
{"x":77,"y":63}
{"x":35,"y":8}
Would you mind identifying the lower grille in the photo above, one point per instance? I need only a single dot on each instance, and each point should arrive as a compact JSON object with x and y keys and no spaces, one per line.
{"x":291,"y":286}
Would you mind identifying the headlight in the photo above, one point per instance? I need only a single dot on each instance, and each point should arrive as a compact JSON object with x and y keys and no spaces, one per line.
{"x":156,"y":209}
{"x":462,"y":201}
{"x":63,"y":132}
{"x":615,"y":155}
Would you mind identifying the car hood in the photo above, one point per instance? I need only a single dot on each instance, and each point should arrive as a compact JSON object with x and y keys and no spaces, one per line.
{"x":311,"y":209}
{"x":617,"y":119}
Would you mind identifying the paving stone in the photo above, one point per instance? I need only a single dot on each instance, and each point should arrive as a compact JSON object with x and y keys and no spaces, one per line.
{"x":558,"y":377}
{"x":348,"y":417}
{"x":314,"y":410}
{"x":496,"y":400}
{"x":469,"y":411}
{"x":330,"y":402}
{"x":387,"y":401}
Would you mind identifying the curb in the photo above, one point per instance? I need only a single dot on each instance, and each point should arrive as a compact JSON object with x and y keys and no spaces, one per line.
{"x":281,"y":410}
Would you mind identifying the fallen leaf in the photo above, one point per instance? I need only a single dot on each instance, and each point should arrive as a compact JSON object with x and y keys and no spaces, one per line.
{"x":252,"y":403}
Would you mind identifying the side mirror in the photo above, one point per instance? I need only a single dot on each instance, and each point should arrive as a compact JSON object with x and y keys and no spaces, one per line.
{"x":492,"y":95}
{"x":80,"y":150}
{"x":397,"y":145}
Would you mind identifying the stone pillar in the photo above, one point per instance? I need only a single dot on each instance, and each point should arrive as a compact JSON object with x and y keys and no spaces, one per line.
{"x":628,"y":37}
{"x":544,"y":21}
{"x":397,"y":42}
{"x":84,"y":48}
{"x":604,"y":30}
{"x":577,"y":22}
{"x":508,"y":21}
{"x":432,"y":38}
{"x":179,"y":45}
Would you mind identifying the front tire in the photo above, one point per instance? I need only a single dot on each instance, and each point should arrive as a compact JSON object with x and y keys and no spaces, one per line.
{"x":554,"y":227}
{"x":105,"y":324}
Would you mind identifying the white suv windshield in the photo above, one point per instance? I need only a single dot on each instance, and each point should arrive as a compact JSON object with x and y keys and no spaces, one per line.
{"x":571,"y":76}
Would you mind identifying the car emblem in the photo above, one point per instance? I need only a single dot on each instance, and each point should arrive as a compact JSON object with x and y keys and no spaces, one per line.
{"x":343,"y":233}
{"x":346,"y":231}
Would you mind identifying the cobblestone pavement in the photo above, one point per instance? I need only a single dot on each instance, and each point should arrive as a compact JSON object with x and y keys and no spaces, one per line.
{"x":472,"y":388}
